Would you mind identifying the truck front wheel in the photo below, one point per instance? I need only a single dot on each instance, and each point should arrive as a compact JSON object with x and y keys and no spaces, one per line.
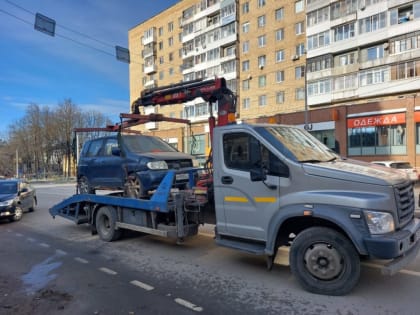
{"x":106,"y":219}
{"x":324,"y":261}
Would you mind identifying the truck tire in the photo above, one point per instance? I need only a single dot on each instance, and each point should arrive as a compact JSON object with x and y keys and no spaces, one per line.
{"x":106,"y":218}
{"x":324,"y":261}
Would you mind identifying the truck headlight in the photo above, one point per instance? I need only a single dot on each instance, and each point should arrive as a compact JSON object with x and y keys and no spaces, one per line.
{"x":6,"y":203}
{"x":157,"y":165}
{"x":379,"y":222}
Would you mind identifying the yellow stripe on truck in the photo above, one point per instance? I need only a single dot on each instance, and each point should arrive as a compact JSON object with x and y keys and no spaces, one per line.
{"x":236,"y":199}
{"x":256,"y":199}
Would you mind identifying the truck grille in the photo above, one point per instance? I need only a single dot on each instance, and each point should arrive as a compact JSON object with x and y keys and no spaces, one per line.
{"x":404,"y":195}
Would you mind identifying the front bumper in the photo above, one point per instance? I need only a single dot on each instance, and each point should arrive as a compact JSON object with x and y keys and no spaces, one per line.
{"x":6,"y":212}
{"x":400,"y":247}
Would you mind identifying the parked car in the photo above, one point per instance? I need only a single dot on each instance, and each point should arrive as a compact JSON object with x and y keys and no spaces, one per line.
{"x":402,"y":166}
{"x":16,"y":197}
{"x":135,"y":164}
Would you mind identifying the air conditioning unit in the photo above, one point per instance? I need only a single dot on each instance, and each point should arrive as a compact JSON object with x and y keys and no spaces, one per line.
{"x":295,"y":57}
{"x":261,"y":66}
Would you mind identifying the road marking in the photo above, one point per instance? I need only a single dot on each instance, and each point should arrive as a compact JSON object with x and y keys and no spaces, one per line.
{"x":81,"y":260}
{"x":19,"y":234}
{"x":108,"y":271}
{"x":189,"y":305}
{"x":404,"y":271}
{"x":32,"y":240}
{"x":44,"y":245}
{"x":142,"y":285}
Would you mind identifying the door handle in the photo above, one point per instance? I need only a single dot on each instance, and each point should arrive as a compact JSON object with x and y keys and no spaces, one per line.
{"x":227,"y":180}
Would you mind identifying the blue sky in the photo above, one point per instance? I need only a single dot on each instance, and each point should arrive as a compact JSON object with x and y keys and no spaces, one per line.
{"x":38,"y":68}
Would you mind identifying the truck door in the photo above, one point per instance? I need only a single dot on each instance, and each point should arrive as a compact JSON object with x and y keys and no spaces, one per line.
{"x":248,"y":205}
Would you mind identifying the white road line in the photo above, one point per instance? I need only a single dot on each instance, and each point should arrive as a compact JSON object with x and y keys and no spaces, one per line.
{"x":108,"y":271}
{"x":189,"y":305}
{"x":9,"y":230}
{"x":44,"y":245}
{"x":142,"y":285}
{"x":81,"y":260}
{"x":404,"y":271}
{"x":19,"y":234}
{"x":32,"y":240}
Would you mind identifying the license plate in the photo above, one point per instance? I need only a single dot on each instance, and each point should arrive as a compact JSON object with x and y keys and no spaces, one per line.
{"x":181,"y":176}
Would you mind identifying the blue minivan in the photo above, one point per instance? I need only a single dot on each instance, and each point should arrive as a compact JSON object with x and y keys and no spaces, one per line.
{"x":135,"y":164}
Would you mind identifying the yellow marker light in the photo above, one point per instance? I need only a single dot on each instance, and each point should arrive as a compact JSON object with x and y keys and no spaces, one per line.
{"x":307,"y":212}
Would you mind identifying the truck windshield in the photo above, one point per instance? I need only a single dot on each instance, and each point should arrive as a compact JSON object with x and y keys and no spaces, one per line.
{"x":300,"y":143}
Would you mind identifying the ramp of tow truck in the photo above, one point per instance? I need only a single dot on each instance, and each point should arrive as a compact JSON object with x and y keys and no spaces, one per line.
{"x":71,"y":207}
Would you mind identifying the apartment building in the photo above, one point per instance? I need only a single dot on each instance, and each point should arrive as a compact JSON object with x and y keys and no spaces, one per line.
{"x":258,"y":46}
{"x":363,"y":76}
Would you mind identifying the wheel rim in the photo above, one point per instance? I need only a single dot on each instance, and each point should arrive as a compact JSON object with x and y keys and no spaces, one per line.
{"x":323,"y":261}
{"x":105,"y":225}
{"x":83,"y":186}
{"x":133,"y":187}
{"x":18,"y":213}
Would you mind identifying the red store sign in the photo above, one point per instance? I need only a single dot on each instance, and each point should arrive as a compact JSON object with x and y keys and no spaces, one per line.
{"x":377,"y":120}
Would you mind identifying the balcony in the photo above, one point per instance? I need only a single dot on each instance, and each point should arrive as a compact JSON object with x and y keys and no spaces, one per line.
{"x":150,"y":84}
{"x":150,"y":39}
{"x":150,"y":69}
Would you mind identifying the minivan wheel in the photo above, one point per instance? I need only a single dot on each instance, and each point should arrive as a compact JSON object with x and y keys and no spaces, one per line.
{"x":84,"y":187}
{"x":133,"y":187}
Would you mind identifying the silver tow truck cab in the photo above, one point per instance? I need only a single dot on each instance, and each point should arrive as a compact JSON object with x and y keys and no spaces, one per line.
{"x":276,"y":185}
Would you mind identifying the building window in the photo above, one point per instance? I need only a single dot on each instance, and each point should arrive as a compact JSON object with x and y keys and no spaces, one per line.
{"x":404,"y":43}
{"x":346,"y":59}
{"x":280,"y":34}
{"x":245,"y":85}
{"x":245,"y":46}
{"x":161,"y":60}
{"x":319,"y":40}
{"x":171,"y":56}
{"x":160,"y":31}
{"x":403,"y":14}
{"x":170,"y":26}
{"x":373,"y":76}
{"x":279,"y":76}
{"x":318,"y":16}
{"x":300,"y":72}
{"x":343,"y":8}
{"x":170,"y":41}
{"x":261,"y":21}
{"x":372,"y":23}
{"x":319,"y":64}
{"x":261,"y":61}
{"x":299,"y":28}
{"x":245,"y":7}
{"x":300,"y":49}
{"x":262,"y":81}
{"x":171,"y":71}
{"x":319,"y":87}
{"x":343,"y":32}
{"x":245,"y":65}
{"x":279,"y":14}
{"x":261,"y":3}
{"x":373,"y":53}
{"x":261,"y":41}
{"x":161,"y":75}
{"x":345,"y":82}
{"x":299,"y":6}
{"x":280,"y":97}
{"x":279,"y":55}
{"x":245,"y":27}
{"x":405,"y":70}
{"x":246,"y":103}
{"x":160,"y":45}
{"x":377,"y":135}
{"x":262,"y":100}
{"x":300,"y":94}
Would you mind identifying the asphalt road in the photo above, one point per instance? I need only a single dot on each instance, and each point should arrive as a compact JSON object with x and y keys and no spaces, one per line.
{"x":56,"y":267}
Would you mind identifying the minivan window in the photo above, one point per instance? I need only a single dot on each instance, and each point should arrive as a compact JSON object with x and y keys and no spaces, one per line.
{"x":94,"y":148}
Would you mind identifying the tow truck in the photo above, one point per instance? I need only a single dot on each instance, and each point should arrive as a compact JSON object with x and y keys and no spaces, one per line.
{"x":268,"y":186}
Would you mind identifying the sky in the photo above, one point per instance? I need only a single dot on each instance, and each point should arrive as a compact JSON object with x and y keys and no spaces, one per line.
{"x":46,"y":70}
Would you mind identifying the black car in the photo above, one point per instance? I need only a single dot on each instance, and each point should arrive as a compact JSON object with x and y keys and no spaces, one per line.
{"x":135,"y":164}
{"x":16,"y":197}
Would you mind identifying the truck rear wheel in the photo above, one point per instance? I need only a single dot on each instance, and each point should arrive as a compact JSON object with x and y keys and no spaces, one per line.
{"x":324,"y":261}
{"x":106,"y":219}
